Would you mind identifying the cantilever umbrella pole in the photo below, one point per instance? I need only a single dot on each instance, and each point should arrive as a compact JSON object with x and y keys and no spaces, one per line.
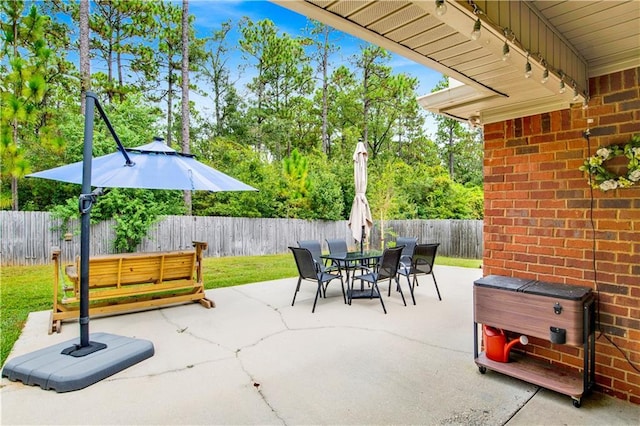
{"x":85,"y":203}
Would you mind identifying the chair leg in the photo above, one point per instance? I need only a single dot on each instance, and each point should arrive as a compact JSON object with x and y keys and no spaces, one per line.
{"x":411,"y":290}
{"x":414,"y":282}
{"x":295,"y":293}
{"x":344,"y":296}
{"x":349,"y":291}
{"x":436,"y":284}
{"x":399,"y":289}
{"x":375,"y":286}
{"x":318,"y":293}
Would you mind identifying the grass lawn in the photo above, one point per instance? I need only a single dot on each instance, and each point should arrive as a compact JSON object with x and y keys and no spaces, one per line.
{"x":25,"y":289}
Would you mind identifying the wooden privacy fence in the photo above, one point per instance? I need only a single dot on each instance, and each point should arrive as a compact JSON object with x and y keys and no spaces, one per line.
{"x":27,"y":238}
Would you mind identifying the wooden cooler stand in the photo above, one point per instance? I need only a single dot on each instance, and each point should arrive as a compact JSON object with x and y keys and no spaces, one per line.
{"x":559,"y":313}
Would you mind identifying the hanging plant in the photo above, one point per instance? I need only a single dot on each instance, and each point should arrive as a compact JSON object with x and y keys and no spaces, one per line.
{"x":600,"y":177}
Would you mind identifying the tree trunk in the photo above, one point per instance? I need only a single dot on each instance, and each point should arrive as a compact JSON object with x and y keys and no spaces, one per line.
{"x":14,"y":179}
{"x":169,"y":104}
{"x":110,"y":72}
{"x":325,"y":85}
{"x":451,"y":157}
{"x":185,"y":91}
{"x":85,"y":62}
{"x":119,"y":68}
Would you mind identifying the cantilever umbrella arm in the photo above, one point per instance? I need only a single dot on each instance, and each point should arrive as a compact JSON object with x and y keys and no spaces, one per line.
{"x":103,"y":115}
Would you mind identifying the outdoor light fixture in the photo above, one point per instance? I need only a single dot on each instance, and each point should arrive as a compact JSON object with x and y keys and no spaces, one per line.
{"x":475,"y":34}
{"x":562,"y":87}
{"x":505,"y":51}
{"x":545,"y":76}
{"x":510,"y":40}
{"x":527,"y":69}
{"x":441,"y":7}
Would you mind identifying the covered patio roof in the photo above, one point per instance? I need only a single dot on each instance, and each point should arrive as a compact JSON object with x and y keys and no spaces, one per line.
{"x":572,"y":40}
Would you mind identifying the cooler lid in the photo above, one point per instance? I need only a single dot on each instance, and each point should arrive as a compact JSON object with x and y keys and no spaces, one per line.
{"x":560,"y":291}
{"x":502,"y":282}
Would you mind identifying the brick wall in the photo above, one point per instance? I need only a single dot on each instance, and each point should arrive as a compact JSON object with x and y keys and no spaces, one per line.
{"x":538,"y":220}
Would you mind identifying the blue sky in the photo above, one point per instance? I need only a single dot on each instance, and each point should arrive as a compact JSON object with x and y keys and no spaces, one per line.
{"x":210,"y":14}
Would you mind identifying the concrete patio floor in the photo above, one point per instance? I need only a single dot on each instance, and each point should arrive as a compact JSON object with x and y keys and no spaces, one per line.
{"x":255,"y":359}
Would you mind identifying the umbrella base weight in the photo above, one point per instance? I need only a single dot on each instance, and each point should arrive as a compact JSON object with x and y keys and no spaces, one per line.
{"x":51,"y":369}
{"x":80,"y":351}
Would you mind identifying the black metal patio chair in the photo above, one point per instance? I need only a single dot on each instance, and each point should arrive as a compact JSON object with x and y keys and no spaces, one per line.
{"x":424,"y":256}
{"x":404,"y":267}
{"x":386,"y":269}
{"x":309,"y":269}
{"x":315,"y":248}
{"x":340,"y":246}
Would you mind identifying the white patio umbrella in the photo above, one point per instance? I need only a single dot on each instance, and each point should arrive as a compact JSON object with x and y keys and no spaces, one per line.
{"x":360,"y":220}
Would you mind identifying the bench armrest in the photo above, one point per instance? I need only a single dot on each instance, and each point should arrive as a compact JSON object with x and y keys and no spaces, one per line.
{"x":71,"y":272}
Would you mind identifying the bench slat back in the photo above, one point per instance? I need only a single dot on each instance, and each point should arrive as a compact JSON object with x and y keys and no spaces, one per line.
{"x":116,"y":271}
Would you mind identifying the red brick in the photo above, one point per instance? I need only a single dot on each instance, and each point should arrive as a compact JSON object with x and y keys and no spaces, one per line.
{"x":616,"y":118}
{"x":578,"y":263}
{"x":540,"y":249}
{"x":571,"y":214}
{"x":610,"y":246}
{"x":551,"y":185}
{"x":603,"y":84}
{"x":615,"y":81}
{"x":543,"y":175}
{"x":629,"y":259}
{"x":614,"y":268}
{"x":629,"y":78}
{"x":614,"y":225}
{"x":569,"y":252}
{"x":541,"y":232}
{"x":578,"y":244}
{"x":517,"y":177}
{"x":630,"y":127}
{"x":627,"y":301}
{"x":526,"y":258}
{"x":621,"y":384}
{"x":549,"y":137}
{"x":601,"y":110}
{"x":494,"y":127}
{"x":502,"y":204}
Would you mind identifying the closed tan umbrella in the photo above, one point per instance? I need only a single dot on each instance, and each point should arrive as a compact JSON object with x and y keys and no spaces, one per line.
{"x":360,"y":220}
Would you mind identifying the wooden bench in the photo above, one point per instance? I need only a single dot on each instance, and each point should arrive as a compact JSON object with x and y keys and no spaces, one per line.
{"x":130,"y":282}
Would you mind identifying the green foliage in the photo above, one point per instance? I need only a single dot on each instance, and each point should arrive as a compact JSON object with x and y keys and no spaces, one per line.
{"x":461,"y":148}
{"x":23,"y":289}
{"x":283,"y":79}
{"x":287,"y":136}
{"x":325,"y":193}
{"x":244,"y":164}
{"x":23,"y":78}
{"x":297,"y":185}
{"x":134,"y":211}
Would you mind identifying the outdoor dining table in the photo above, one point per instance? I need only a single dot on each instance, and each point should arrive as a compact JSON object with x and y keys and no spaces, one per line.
{"x":365,"y":259}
